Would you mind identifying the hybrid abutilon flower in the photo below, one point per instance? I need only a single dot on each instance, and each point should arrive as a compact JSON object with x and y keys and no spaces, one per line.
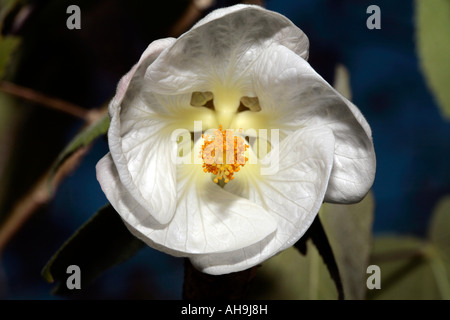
{"x":241,"y":72}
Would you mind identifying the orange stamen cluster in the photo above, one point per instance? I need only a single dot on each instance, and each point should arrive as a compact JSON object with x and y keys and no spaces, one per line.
{"x":223,"y":154}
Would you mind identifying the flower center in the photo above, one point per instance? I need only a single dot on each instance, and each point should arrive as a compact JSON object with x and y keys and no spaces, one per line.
{"x":223,"y":154}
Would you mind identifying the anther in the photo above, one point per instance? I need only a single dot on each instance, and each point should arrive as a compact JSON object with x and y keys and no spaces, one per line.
{"x":199,"y":99}
{"x":252,"y":103}
{"x":215,"y":151}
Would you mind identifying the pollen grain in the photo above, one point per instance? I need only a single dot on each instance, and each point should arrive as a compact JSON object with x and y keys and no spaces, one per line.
{"x":223,"y":154}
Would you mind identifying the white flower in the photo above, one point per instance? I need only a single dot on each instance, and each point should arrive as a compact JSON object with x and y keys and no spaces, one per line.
{"x":238,"y":56}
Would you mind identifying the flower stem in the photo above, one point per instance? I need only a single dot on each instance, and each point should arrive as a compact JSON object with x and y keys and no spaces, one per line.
{"x":44,"y":100}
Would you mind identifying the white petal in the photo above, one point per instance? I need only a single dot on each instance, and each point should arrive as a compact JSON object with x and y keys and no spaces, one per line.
{"x":140,"y":144}
{"x":208,"y":219}
{"x":293,"y":196}
{"x":291,"y":36}
{"x":292,"y":95}
{"x":145,"y":160}
{"x":220,"y":49}
{"x":354,"y":162}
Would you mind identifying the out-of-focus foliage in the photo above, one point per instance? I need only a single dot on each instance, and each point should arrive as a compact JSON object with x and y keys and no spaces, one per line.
{"x":292,"y":276}
{"x":5,"y":8}
{"x":433,"y":43}
{"x":9,"y":114}
{"x":8,"y":45}
{"x":83,"y":139}
{"x":413,"y":268}
{"x":405,"y":269}
{"x":100,"y":243}
{"x":349,"y":230}
{"x":440,"y":226}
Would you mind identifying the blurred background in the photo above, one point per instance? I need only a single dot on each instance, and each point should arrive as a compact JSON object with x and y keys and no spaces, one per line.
{"x":390,"y":80}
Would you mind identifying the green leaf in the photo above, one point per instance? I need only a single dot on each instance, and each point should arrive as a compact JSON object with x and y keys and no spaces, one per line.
{"x":317,"y":234}
{"x":406,"y":271}
{"x":439,"y":231}
{"x":413,"y":268}
{"x":84,"y":138}
{"x":439,"y":234}
{"x":102,"y":242}
{"x":8,"y":44}
{"x":432,"y":37}
{"x":292,"y":276}
{"x":349,"y":231}
{"x":5,"y":8}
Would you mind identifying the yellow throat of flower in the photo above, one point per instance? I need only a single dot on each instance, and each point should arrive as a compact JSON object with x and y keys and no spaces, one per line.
{"x":223,"y":154}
